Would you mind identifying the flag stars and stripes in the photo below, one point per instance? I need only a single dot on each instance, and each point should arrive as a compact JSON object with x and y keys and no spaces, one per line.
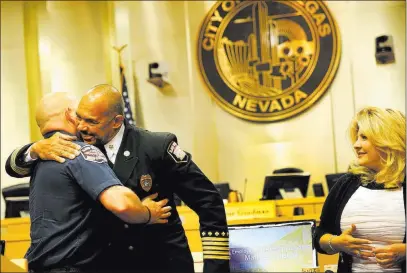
{"x":127,"y":108}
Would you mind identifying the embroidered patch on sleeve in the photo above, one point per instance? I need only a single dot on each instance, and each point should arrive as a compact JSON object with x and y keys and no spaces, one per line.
{"x":177,"y":153}
{"x":93,"y":154}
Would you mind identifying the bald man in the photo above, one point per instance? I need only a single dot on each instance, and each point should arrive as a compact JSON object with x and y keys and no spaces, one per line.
{"x":146,"y":162}
{"x":68,"y":201}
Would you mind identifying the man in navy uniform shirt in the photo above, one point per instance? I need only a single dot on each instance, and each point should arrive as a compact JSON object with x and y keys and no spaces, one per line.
{"x":146,"y":162}
{"x":67,"y":200}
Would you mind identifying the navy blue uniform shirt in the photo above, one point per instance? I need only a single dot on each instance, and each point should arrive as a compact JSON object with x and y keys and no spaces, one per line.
{"x":66,"y":216}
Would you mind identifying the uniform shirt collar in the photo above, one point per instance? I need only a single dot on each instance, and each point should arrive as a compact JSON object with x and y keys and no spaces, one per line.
{"x":112,"y":147}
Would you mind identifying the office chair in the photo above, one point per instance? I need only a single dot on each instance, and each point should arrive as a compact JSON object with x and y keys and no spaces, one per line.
{"x":288,"y":170}
{"x":16,"y":198}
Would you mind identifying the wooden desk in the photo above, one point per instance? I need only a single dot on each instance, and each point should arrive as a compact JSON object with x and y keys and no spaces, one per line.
{"x":8,"y":266}
{"x":16,"y":233}
{"x":312,"y":205}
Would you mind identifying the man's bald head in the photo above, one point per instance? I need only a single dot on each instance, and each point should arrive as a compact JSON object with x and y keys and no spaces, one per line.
{"x":100,"y":114}
{"x":106,"y":96}
{"x":52,"y":109}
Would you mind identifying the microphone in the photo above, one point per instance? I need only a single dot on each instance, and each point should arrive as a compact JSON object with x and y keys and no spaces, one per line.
{"x":244,"y":190}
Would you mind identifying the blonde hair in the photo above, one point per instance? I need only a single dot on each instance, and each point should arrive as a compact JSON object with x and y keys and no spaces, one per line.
{"x":386,"y":130}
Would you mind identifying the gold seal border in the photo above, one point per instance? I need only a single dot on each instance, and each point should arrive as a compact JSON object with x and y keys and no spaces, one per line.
{"x":302,"y":106}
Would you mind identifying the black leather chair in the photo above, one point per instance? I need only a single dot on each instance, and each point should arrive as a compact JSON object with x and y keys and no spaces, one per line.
{"x":16,"y":198}
{"x":288,"y":170}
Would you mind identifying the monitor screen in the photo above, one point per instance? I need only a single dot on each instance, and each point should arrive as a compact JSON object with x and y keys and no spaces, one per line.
{"x":288,"y":182}
{"x":272,"y":247}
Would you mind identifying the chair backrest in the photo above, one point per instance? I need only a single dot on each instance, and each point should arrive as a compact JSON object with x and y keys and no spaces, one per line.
{"x":18,"y":190}
{"x":288,"y":170}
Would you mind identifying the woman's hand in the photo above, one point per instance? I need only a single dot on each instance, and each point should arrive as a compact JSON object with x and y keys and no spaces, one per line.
{"x":353,"y":246}
{"x":390,"y":256}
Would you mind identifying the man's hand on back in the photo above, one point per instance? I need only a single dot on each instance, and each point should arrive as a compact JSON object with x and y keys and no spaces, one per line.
{"x":57,"y":148}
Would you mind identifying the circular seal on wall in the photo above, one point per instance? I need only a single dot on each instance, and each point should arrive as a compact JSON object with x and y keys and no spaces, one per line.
{"x":268,"y":60}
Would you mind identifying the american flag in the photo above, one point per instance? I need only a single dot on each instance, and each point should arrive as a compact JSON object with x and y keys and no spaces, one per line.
{"x":128,"y":114}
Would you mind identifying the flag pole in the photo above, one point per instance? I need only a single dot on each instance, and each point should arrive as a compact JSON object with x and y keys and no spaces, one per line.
{"x":119,"y":52}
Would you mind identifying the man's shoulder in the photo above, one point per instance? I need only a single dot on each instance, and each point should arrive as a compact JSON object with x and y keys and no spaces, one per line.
{"x":90,"y":153}
{"x":80,"y":143}
{"x":153,"y":143}
{"x":87,"y":153}
{"x":153,"y":138}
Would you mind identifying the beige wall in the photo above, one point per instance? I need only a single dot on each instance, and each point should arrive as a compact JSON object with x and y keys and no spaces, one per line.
{"x":74,"y":47}
{"x":15,"y":130}
{"x":74,"y":42}
{"x":230,"y":149}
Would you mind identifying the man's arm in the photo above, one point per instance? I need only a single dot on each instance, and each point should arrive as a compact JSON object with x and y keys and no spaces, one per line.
{"x":199,"y":193}
{"x":56,"y":148}
{"x":16,"y":165}
{"x":126,"y":205}
{"x":91,"y":171}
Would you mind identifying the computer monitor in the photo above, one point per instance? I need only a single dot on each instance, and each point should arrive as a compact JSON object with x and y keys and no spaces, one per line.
{"x":223,"y":189}
{"x":272,"y":247}
{"x":288,"y":182}
{"x":332,"y":178}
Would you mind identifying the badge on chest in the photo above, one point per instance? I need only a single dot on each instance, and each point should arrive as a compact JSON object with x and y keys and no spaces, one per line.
{"x":146,"y":182}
